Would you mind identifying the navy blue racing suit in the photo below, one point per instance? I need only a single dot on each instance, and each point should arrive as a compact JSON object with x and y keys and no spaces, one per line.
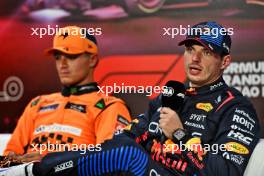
{"x":214,"y":115}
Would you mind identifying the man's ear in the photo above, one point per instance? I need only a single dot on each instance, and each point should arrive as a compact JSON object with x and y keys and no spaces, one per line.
{"x":226,"y":60}
{"x":94,"y":60}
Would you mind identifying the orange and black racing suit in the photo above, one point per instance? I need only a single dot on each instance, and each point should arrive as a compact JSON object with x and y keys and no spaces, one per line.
{"x":78,"y":115}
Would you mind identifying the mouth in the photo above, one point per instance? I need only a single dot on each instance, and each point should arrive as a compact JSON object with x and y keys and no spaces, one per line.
{"x":194,"y":69}
{"x":64,"y":73}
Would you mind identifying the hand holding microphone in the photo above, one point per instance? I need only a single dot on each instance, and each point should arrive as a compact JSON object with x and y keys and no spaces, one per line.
{"x":169,"y":121}
{"x":172,"y":101}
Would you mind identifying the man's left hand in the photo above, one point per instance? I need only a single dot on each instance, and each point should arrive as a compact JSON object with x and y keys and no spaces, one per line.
{"x":169,"y":121}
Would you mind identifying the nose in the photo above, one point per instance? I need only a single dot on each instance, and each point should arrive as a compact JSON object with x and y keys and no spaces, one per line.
{"x":63,"y":61}
{"x":196,"y":57}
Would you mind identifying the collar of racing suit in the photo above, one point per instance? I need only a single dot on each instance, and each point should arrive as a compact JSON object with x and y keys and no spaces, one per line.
{"x":207,"y":89}
{"x":79,"y":90}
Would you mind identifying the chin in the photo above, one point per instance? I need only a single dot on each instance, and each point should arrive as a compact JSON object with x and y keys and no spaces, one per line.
{"x":195,"y":80}
{"x":66,"y":82}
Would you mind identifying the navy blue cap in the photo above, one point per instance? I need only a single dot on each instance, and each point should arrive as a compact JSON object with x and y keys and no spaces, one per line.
{"x":211,"y":35}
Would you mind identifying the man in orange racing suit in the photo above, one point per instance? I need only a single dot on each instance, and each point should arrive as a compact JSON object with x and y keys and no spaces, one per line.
{"x":79,"y":114}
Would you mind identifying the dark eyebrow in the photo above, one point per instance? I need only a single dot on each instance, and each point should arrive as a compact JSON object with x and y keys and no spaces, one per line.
{"x":189,"y":46}
{"x":206,"y":49}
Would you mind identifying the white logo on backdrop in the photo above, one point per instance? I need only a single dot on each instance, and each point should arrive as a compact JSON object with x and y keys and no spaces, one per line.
{"x":13,"y":89}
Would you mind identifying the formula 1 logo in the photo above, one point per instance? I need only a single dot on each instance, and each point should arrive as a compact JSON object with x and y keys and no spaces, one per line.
{"x":13,"y":89}
{"x":140,"y":70}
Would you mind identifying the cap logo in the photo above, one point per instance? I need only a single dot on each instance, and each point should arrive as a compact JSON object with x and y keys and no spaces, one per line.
{"x":65,"y":35}
{"x":210,"y":46}
{"x":204,"y":29}
{"x":226,"y":47}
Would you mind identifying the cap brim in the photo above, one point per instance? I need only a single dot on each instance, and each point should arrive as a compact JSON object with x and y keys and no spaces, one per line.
{"x":195,"y":40}
{"x":50,"y":51}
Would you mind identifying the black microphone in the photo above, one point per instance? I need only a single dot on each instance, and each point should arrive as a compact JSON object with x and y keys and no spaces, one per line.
{"x":172,"y":97}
